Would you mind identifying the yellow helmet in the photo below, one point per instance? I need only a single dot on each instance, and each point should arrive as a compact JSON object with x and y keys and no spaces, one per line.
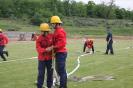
{"x":0,"y":30}
{"x":55,"y":19}
{"x":44,"y":27}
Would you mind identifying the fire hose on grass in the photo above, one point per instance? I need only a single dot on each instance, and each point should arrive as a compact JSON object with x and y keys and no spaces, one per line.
{"x":56,"y":77}
{"x":78,"y":65}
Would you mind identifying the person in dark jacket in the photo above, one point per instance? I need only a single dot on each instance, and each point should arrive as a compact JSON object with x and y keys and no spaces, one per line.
{"x":109,"y":40}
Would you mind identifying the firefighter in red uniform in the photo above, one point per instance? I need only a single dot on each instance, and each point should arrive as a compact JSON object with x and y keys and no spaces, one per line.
{"x":34,"y":37}
{"x":59,"y":46}
{"x":89,"y":44}
{"x":3,"y":43}
{"x":43,"y":43}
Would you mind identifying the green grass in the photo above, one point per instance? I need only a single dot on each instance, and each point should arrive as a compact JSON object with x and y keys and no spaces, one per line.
{"x":18,"y":25}
{"x":73,"y":30}
{"x":81,"y":31}
{"x":23,"y":73}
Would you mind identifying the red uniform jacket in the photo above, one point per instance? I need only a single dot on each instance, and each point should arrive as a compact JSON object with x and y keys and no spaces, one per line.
{"x":89,"y":43}
{"x":41,"y":44}
{"x":3,"y":39}
{"x":59,"y":40}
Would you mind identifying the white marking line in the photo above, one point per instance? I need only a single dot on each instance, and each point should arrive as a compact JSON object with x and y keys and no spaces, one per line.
{"x":18,"y":60}
{"x":68,"y":74}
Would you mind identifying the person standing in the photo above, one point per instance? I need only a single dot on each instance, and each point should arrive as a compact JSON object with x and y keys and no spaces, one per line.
{"x":109,"y":40}
{"x":59,"y":46}
{"x":43,"y":43}
{"x":3,"y":43}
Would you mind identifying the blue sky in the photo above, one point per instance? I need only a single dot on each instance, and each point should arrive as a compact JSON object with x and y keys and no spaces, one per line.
{"x":128,"y":4}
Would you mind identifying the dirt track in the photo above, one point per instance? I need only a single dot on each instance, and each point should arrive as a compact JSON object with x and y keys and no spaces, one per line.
{"x":14,"y":36}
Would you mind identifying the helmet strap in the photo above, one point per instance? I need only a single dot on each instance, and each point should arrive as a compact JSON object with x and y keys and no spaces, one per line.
{"x":45,"y":33}
{"x":57,"y":25}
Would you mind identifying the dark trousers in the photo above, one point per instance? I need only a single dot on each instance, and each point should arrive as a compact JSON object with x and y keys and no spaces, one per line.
{"x":110,"y":48}
{"x":61,"y":68}
{"x":2,"y":52}
{"x":42,"y":65}
{"x":93,"y":49}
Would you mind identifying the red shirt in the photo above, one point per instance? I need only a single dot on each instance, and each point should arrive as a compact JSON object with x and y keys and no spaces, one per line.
{"x":41,"y":44}
{"x":3,"y":39}
{"x":89,"y":43}
{"x":59,"y":40}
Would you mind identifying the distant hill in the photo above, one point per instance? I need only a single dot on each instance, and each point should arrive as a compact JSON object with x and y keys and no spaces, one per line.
{"x":75,"y":26}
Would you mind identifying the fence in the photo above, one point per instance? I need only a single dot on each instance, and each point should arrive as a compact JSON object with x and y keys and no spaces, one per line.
{"x":19,"y":36}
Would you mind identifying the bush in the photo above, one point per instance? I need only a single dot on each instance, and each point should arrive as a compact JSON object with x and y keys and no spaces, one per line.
{"x":36,"y":20}
{"x":10,"y":27}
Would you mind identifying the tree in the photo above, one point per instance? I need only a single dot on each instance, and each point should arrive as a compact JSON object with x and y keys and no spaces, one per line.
{"x":119,"y":13}
{"x":78,"y":9}
{"x":90,"y":8}
{"x":67,"y":7}
{"x":28,"y":9}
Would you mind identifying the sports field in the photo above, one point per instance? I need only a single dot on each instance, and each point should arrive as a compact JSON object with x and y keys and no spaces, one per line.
{"x":20,"y":71}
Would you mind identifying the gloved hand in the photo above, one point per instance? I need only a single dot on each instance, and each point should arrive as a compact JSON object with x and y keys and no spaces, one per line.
{"x":49,"y":49}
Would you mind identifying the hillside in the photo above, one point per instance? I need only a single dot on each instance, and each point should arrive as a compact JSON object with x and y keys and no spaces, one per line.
{"x":75,"y":26}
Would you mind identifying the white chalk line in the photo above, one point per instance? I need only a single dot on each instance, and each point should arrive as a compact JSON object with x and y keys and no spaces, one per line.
{"x":18,"y":60}
{"x":117,"y":49}
{"x":68,"y":74}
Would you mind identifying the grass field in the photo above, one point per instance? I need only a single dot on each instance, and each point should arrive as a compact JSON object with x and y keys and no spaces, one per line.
{"x":22,"y":73}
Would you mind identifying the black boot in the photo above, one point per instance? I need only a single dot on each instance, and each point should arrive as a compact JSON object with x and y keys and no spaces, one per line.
{"x":3,"y":57}
{"x":7,"y":53}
